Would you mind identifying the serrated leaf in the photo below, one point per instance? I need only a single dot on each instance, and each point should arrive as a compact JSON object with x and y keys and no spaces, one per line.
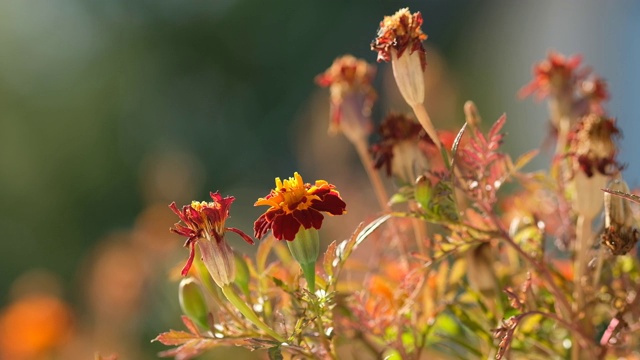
{"x":175,"y":337}
{"x":497,"y":126}
{"x":524,"y":159}
{"x":627,"y":196}
{"x":330,"y":259}
{"x":263,"y":253}
{"x":456,"y":143}
{"x":369,"y":229}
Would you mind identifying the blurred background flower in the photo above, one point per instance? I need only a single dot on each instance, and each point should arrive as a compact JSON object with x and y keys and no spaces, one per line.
{"x":110,"y":110}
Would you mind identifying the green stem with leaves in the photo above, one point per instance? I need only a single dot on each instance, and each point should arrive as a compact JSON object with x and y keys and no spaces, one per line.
{"x":248,"y":312}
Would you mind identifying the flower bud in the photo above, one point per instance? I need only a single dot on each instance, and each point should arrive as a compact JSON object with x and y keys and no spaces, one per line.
{"x":305,"y":249}
{"x":471,"y":115}
{"x":423,"y":191}
{"x":219,"y":259}
{"x":620,"y":233}
{"x":192,"y":301}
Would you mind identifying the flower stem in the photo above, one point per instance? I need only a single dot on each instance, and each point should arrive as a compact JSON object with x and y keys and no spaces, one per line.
{"x":425,"y":121}
{"x":374,"y":176}
{"x":309,"y":271}
{"x":242,"y":306}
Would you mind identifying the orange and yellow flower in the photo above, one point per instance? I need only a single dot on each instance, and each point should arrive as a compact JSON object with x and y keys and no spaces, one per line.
{"x":203,"y":223}
{"x":293,"y":204}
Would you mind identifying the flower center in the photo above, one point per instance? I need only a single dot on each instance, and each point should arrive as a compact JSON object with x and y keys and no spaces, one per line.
{"x":292,"y":194}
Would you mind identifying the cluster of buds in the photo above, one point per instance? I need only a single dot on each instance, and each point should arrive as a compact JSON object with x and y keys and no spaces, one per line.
{"x":505,"y":334}
{"x":620,"y":231}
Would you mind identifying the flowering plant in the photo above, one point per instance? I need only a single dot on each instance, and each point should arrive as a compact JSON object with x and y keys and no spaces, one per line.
{"x":465,"y":269}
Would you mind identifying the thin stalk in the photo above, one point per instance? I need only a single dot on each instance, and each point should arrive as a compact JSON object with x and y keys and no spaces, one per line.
{"x":323,"y":336}
{"x":381,"y":193}
{"x":562,"y":301}
{"x":419,"y":229}
{"x":248,"y":312}
{"x":425,"y":121}
{"x":583,"y":238}
{"x":374,"y":176}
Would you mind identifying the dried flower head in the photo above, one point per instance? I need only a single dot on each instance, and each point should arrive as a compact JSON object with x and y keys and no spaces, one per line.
{"x":620,"y":232}
{"x":203,"y":224}
{"x":352,"y":96}
{"x":293,"y":204}
{"x":400,"y":41}
{"x":592,"y":145}
{"x":400,"y":32}
{"x":553,"y":75}
{"x":400,"y":149}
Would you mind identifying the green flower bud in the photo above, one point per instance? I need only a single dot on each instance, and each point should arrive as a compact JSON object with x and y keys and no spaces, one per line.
{"x":305,"y":249}
{"x":192,"y":302}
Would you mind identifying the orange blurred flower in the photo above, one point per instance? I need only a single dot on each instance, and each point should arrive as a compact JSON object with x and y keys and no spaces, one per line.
{"x":34,"y":326}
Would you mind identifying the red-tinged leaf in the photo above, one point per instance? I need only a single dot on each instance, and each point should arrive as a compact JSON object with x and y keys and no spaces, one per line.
{"x":330,"y":259}
{"x":175,"y":337}
{"x":627,"y":196}
{"x":190,"y":325}
{"x":497,"y":126}
{"x":193,"y":348}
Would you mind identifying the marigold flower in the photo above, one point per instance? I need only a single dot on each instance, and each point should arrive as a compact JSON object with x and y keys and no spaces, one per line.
{"x":352,"y":96}
{"x":400,"y":149}
{"x":553,"y":75}
{"x":293,"y":204}
{"x":400,"y":41}
{"x":203,"y":224}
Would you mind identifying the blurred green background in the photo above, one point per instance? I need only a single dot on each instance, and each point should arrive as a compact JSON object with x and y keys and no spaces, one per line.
{"x":110,"y":107}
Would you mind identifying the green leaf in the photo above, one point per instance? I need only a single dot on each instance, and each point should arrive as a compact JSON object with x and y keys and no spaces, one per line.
{"x":275,"y":353}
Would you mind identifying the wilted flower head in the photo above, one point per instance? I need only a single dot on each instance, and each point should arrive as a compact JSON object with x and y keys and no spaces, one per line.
{"x":203,"y":224}
{"x":553,"y":75}
{"x":352,"y":96}
{"x":293,"y":204}
{"x":620,"y":231}
{"x":398,"y":33}
{"x":400,"y":149}
{"x":592,"y":145}
{"x":400,"y":41}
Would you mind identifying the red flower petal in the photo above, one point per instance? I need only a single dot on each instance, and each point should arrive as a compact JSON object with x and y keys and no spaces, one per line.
{"x":309,"y":218}
{"x":285,"y":227}
{"x":331,"y":203}
{"x":192,"y":254}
